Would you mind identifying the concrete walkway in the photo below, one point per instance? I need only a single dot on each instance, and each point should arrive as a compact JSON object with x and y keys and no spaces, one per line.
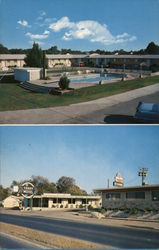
{"x":58,"y":115}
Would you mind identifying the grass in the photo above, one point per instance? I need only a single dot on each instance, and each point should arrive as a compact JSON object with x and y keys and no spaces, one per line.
{"x":13,"y":97}
{"x":48,"y":239}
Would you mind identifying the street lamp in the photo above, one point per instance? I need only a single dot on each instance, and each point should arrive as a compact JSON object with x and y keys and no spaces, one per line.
{"x":143,"y":173}
{"x":123,"y":72}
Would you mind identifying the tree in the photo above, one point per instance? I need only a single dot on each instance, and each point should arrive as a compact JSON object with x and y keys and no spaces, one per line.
{"x":34,"y":57}
{"x":152,"y":48}
{"x":64,"y":183}
{"x":3,"y":193}
{"x":53,"y":50}
{"x":67,"y":185}
{"x":3,"y":50}
{"x":75,"y":190}
{"x":43,"y":185}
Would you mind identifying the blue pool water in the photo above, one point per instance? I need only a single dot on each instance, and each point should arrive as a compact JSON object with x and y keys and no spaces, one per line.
{"x":96,"y":78}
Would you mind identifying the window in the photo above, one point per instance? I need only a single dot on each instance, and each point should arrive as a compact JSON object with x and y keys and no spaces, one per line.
{"x":59,"y":200}
{"x":155,"y":195}
{"x":71,"y":201}
{"x":135,"y":195}
{"x":83,"y":201}
{"x":36,"y":202}
{"x":54,"y":200}
{"x":45,"y":202}
{"x":112,"y":196}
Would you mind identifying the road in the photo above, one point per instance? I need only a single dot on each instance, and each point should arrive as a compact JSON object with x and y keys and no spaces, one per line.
{"x":121,"y":113}
{"x":120,"y":237}
{"x":7,"y":241}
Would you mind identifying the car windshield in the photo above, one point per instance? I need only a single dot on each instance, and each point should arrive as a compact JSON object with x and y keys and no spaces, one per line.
{"x":150,"y":107}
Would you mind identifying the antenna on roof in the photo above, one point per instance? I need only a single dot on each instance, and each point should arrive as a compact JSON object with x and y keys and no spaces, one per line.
{"x":107,"y":183}
{"x":143,"y":172}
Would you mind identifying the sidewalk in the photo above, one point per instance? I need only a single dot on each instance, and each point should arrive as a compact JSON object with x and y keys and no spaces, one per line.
{"x":57,"y":115}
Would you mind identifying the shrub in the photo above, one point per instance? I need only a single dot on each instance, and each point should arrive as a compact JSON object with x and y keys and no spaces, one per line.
{"x":103,"y":210}
{"x":64,"y":82}
{"x":127,"y":211}
{"x":90,"y":207}
{"x":61,"y":206}
{"x":134,"y":211}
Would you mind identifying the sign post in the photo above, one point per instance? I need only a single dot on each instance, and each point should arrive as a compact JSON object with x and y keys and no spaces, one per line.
{"x":27,"y":191}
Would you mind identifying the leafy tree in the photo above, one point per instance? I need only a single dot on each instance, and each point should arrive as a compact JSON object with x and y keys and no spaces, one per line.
{"x":3,"y":50}
{"x":3,"y":193}
{"x":152,"y":48}
{"x":67,"y":185}
{"x":34,"y":57}
{"x":75,"y":190}
{"x":43,"y":185}
{"x":53,"y":50}
{"x":64,"y":183}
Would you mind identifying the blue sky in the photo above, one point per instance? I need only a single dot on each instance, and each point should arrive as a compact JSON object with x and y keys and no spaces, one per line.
{"x":84,"y":24}
{"x":90,"y":154}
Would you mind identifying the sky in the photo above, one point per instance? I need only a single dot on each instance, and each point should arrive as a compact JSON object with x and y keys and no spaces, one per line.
{"x":83,"y":25}
{"x":89,"y":154}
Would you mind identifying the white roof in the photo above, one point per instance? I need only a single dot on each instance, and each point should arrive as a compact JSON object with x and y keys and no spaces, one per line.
{"x":70,"y":56}
{"x":57,"y":195}
{"x":12,"y":56}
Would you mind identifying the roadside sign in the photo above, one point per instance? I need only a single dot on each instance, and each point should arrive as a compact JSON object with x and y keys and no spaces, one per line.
{"x":27,"y":190}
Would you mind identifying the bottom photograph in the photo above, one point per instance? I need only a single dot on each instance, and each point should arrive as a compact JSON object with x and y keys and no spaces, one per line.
{"x":79,"y":187}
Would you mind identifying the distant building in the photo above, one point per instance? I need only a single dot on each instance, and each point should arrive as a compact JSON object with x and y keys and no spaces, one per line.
{"x":94,"y":60}
{"x":130,"y":197}
{"x":10,"y":61}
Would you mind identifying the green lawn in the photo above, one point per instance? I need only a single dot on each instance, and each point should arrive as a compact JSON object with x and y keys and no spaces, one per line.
{"x":13,"y":97}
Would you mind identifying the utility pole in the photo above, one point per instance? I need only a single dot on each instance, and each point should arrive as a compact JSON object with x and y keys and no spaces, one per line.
{"x":108,"y":183}
{"x":143,"y":173}
{"x":44,"y":54}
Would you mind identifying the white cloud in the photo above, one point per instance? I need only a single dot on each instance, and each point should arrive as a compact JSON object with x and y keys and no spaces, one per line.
{"x":63,"y":23}
{"x":46,"y":32}
{"x":38,"y":36}
{"x":90,"y":30}
{"x":24,"y":23}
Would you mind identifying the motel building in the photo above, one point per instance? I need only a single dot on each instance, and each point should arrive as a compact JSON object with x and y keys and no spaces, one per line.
{"x":49,"y":201}
{"x":9,"y":61}
{"x":141,"y":197}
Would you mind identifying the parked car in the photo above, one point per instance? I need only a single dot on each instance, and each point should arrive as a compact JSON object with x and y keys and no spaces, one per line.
{"x":147,"y":112}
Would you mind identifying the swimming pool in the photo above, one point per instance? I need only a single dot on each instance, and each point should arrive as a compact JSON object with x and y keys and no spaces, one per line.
{"x":96,"y":78}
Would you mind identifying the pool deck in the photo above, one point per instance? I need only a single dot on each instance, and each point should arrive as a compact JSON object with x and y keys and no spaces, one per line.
{"x":53,"y":81}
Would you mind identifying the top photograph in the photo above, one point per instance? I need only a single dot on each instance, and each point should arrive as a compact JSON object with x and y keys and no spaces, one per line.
{"x":79,"y":62}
